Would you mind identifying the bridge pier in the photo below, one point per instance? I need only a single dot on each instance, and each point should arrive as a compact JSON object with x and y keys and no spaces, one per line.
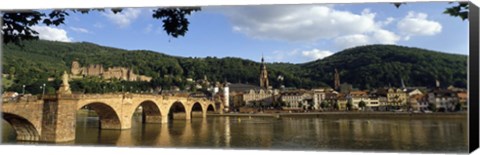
{"x":188,"y":114}
{"x":164,"y":118}
{"x":59,"y":119}
{"x":204,"y":113}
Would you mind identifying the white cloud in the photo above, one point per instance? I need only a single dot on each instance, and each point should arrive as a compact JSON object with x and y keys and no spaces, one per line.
{"x":379,"y":36}
{"x":297,"y":55}
{"x":124,"y":18}
{"x":51,"y":33}
{"x":79,"y":29}
{"x":311,"y":23}
{"x":298,"y":22}
{"x":417,"y":24}
{"x":385,"y":37}
{"x":316,"y":54}
{"x":352,"y":40}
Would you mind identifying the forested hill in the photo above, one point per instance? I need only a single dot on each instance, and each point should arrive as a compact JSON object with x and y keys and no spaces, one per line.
{"x":364,"y":67}
{"x":383,"y":65}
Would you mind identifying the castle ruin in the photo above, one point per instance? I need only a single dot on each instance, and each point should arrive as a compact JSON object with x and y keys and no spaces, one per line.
{"x":97,"y":70}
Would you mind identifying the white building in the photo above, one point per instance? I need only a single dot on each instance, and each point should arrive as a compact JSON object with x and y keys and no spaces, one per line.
{"x":295,"y":98}
{"x":259,"y":97}
{"x":443,"y":99}
{"x":319,"y":96}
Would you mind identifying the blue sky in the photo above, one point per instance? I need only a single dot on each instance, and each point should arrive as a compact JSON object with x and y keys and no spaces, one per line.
{"x":282,"y":33}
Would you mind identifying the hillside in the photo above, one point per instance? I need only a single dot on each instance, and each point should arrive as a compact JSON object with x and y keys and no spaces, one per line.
{"x":383,"y":65}
{"x":364,"y":67}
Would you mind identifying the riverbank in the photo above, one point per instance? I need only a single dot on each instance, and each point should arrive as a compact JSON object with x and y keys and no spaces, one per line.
{"x":350,"y":115}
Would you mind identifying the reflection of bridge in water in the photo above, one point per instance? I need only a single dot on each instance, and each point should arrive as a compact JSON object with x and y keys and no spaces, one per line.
{"x":53,"y":118}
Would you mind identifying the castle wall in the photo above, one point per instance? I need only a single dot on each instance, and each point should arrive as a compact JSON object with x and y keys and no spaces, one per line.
{"x":95,"y":70}
{"x":121,"y":73}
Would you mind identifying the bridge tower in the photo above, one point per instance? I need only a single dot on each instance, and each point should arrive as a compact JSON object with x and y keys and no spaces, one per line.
{"x":59,"y":115}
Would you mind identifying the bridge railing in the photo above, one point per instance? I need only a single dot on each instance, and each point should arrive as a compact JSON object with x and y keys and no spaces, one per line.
{"x":103,"y":96}
{"x":21,"y":99}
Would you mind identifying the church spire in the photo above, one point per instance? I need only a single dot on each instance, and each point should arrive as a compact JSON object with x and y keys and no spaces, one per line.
{"x":337,"y":80}
{"x":263,"y":74}
{"x":262,"y":58}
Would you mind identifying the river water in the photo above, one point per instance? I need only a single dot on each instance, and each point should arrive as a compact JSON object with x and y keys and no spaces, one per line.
{"x":286,"y":133}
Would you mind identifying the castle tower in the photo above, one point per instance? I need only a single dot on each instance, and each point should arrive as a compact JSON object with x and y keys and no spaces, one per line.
{"x":336,"y":80}
{"x":263,"y":75}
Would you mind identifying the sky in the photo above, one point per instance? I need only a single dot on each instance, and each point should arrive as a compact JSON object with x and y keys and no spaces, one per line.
{"x":281,"y":33}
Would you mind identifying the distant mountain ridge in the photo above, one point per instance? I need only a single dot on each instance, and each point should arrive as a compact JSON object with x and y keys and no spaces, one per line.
{"x":364,"y":66}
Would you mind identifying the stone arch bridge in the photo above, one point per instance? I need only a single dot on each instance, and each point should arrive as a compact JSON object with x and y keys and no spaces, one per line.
{"x":53,"y":118}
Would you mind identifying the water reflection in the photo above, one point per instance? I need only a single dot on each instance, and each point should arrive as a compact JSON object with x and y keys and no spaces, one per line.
{"x":402,"y":134}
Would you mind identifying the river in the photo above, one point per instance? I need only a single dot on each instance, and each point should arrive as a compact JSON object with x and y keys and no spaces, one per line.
{"x":285,"y":133}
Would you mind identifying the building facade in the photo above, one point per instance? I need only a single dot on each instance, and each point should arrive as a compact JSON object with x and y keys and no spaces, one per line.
{"x":443,"y":100}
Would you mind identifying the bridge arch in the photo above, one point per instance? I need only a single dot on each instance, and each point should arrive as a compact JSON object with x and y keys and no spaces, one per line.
{"x":177,"y":110}
{"x":197,"y":110}
{"x":24,"y":129}
{"x":108,"y":117}
{"x":210,"y":108}
{"x":150,"y":112}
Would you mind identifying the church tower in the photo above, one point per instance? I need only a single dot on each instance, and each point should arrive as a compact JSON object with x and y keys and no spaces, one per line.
{"x":337,"y":80}
{"x":263,"y":75}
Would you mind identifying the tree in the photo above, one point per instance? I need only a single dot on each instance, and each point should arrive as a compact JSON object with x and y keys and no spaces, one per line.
{"x":362,"y":105}
{"x":432,"y":107}
{"x":323,"y":105}
{"x":336,"y":106}
{"x":458,"y":106}
{"x":349,"y":105}
{"x":17,"y":26}
{"x":11,"y":72}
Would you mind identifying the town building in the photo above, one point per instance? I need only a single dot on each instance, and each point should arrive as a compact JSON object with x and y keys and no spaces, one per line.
{"x":254,"y":96}
{"x":356,"y":97}
{"x":319,"y":96}
{"x":331,"y":96}
{"x":463,"y":99}
{"x":260,"y":97}
{"x":342,"y":101}
{"x":296,"y":99}
{"x":443,"y":99}
{"x":411,"y":92}
{"x":373,"y":102}
{"x":418,"y":102}
{"x":396,"y":97}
